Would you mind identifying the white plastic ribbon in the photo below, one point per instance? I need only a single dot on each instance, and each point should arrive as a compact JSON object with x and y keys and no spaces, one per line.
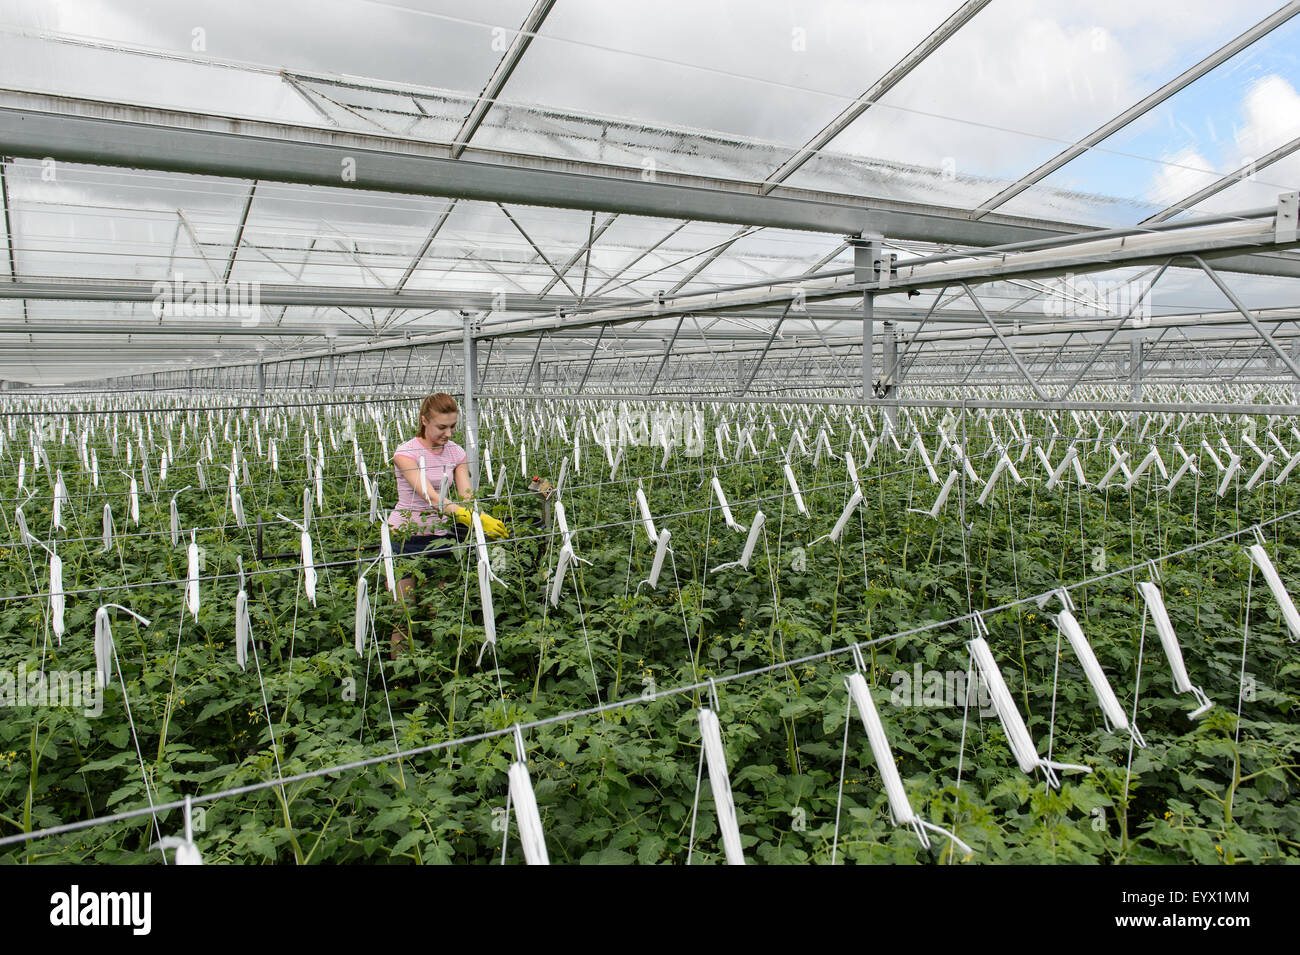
{"x":108,"y":529}
{"x":646,"y":520}
{"x":1278,"y":589}
{"x":725,"y":507}
{"x":1173,"y":652}
{"x":174,"y":518}
{"x":754,"y":529}
{"x":843,"y":521}
{"x":526,"y":815}
{"x":1189,"y":464}
{"x":1112,"y":713}
{"x":104,"y":642}
{"x":657,"y":567}
{"x":1234,"y":465}
{"x":1022,"y":745}
{"x":243,"y":627}
{"x":57,"y":506}
{"x":362,"y":624}
{"x":56,"y":596}
{"x":900,"y":807}
{"x":308,"y":567}
{"x":942,"y":499}
{"x":919,"y":446}
{"x":711,"y":739}
{"x":794,"y":489}
{"x":386,"y":554}
{"x":192,"y":577}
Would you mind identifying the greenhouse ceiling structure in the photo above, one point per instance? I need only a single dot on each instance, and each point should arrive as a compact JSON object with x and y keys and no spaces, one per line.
{"x":721,"y":203}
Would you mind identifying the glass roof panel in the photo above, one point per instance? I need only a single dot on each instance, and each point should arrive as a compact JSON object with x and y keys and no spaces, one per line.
{"x":1014,"y":87}
{"x":764,"y":72}
{"x":1230,"y":117}
{"x":437,"y":43}
{"x":92,"y":222}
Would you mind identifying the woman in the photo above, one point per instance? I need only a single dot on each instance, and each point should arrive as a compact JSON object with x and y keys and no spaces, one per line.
{"x":425,"y":507}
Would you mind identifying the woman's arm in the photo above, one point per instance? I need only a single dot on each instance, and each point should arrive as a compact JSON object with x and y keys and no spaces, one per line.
{"x":462,"y":480}
{"x":411,"y":471}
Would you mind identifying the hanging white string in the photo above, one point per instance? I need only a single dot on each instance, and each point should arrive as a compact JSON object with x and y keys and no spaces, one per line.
{"x":104,"y":641}
{"x":900,"y":807}
{"x":1276,"y":587}
{"x":1022,"y":745}
{"x":1155,"y":604}
{"x":192,"y":582}
{"x":529,"y":820}
{"x":711,"y":741}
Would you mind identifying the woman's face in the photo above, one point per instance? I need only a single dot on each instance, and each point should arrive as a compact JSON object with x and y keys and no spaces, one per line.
{"x":438,"y":427}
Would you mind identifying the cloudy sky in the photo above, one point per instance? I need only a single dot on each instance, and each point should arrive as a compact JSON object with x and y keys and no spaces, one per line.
{"x":1020,"y":80}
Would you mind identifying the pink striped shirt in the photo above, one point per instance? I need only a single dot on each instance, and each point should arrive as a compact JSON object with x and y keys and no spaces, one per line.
{"x":410,"y":503}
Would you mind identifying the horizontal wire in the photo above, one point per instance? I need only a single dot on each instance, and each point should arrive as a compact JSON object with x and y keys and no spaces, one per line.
{"x":280,"y":781}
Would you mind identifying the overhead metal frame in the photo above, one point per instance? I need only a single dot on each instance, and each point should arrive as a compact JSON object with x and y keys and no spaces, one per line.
{"x":924,"y":220}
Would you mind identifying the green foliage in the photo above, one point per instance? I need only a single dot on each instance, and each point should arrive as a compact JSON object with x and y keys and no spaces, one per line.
{"x":619,"y":785}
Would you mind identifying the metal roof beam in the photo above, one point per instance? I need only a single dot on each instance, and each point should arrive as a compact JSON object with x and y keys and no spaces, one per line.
{"x":500,"y":76}
{"x":892,"y":78}
{"x":109,"y":134}
{"x":1103,"y":132}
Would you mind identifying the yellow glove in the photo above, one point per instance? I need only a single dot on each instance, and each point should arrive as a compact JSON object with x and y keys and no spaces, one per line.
{"x":493,"y":529}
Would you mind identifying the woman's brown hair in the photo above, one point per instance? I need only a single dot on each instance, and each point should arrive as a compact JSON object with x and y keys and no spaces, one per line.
{"x":441,"y":403}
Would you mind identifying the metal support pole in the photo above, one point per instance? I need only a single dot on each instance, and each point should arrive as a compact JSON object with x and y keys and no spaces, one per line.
{"x":1295,"y":356}
{"x":867,"y":262}
{"x":868,"y":344}
{"x":1135,"y":376}
{"x":533,"y":365}
{"x":469,"y":410}
{"x":889,"y":369}
{"x":667,"y":353}
{"x":582,"y":384}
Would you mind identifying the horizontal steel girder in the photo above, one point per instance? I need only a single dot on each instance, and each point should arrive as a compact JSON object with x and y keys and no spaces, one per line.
{"x":37,"y":126}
